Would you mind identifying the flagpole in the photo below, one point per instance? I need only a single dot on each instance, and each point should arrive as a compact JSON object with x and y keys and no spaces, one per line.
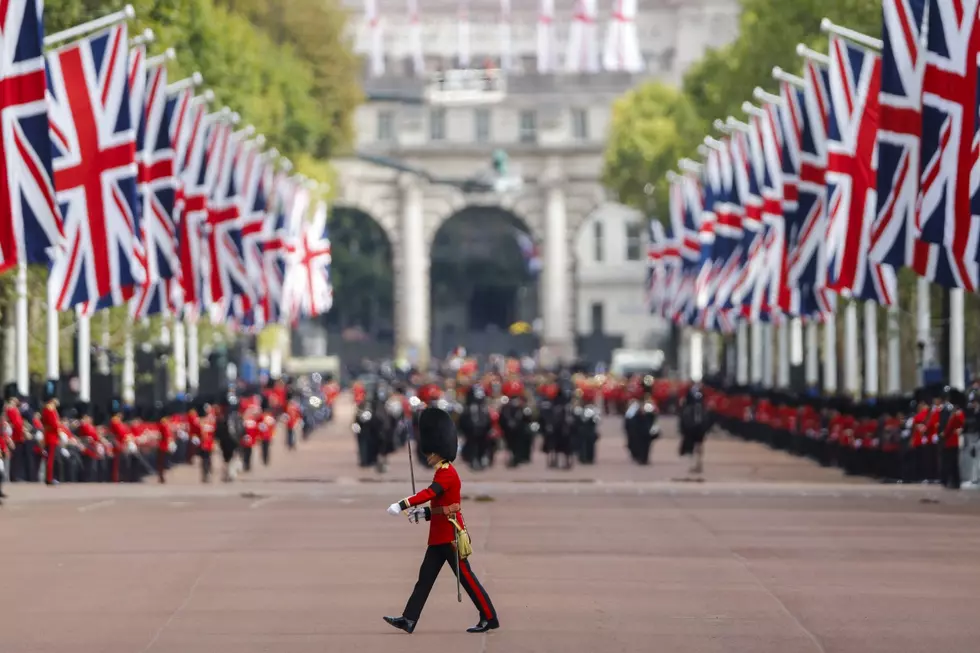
{"x":812,"y":355}
{"x":742,"y":353}
{"x":53,"y":340}
{"x":830,"y":354}
{"x":851,"y":361}
{"x":870,"y":348}
{"x":696,"y":349}
{"x":957,"y":349}
{"x":83,"y":327}
{"x":757,"y":353}
{"x":782,"y":342}
{"x":22,"y":375}
{"x":180,"y":357}
{"x":828,"y":26}
{"x":126,"y":13}
{"x":923,"y":322}
{"x":193,"y":353}
{"x":767,"y":355}
{"x":129,"y":364}
{"x":894,"y":351}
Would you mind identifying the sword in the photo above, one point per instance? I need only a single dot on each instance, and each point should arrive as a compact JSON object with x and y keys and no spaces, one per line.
{"x":459,"y":596}
{"x":411,"y":466}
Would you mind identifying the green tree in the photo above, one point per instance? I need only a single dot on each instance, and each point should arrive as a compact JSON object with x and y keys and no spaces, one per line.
{"x":769,"y":31}
{"x":652,"y":127}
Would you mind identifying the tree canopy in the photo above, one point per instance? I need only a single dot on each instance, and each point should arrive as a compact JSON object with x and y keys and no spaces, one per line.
{"x":654,"y":126}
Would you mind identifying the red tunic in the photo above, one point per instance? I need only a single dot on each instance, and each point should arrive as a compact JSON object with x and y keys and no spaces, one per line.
{"x":52,"y":426}
{"x":267,"y":427}
{"x":206,"y":434}
{"x":166,"y":435}
{"x":16,"y":422}
{"x":951,"y":434}
{"x":121,"y":433}
{"x":444,"y":491}
{"x":90,"y":437}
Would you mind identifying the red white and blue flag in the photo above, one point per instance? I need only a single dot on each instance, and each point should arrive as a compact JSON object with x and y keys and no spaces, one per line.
{"x":855,"y":82}
{"x":307,"y":288}
{"x":94,"y":159}
{"x":30,"y":222}
{"x":190,"y":125}
{"x":950,"y":181}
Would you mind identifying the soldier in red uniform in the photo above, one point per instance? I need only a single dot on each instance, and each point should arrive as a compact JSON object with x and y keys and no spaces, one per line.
{"x":164,"y":443}
{"x":123,"y":444}
{"x":6,"y":445}
{"x":51,"y":423}
{"x":251,"y":415}
{"x":951,"y":441}
{"x":89,"y":436}
{"x":437,"y":435}
{"x":21,"y":458}
{"x":266,"y":430}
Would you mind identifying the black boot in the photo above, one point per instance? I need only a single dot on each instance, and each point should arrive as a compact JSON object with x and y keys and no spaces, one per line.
{"x":484,"y":626}
{"x":401,"y":623}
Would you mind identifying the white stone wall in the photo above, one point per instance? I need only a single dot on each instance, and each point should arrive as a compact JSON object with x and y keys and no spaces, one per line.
{"x":614,"y":281}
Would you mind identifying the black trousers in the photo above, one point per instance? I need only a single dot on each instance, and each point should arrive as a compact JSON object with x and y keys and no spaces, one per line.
{"x":265,"y":451}
{"x":435,"y":556}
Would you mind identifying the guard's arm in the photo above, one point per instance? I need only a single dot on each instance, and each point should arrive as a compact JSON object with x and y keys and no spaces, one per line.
{"x":426,"y":495}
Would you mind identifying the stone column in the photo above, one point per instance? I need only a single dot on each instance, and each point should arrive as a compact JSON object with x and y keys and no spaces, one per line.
{"x":558,"y":341}
{"x":413,"y":316}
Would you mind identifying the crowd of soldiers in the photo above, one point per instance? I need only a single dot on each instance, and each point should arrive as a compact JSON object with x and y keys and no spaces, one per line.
{"x":928,"y":437}
{"x":502,"y":409}
{"x":53,"y":443}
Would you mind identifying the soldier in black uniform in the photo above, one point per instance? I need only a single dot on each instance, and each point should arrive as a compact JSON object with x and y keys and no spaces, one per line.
{"x":474,"y":423}
{"x":695,"y":423}
{"x":641,"y":424}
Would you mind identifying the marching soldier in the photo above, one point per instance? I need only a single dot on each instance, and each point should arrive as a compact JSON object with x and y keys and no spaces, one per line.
{"x":952,"y":432}
{"x":22,"y":456}
{"x":165,"y":442}
{"x":586,"y":427}
{"x":123,"y":445}
{"x":515,"y":422}
{"x":641,"y":424}
{"x":51,"y":423}
{"x":474,"y":423}
{"x":267,"y":429}
{"x":448,"y":539}
{"x":695,"y":422}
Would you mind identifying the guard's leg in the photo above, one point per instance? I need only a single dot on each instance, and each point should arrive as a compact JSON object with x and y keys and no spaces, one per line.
{"x":432,"y":563}
{"x":473,"y":588}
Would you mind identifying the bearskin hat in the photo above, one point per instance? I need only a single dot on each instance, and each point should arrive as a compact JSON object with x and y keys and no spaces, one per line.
{"x":437,"y":434}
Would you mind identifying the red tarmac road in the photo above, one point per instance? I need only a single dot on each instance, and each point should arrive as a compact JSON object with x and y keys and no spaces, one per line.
{"x":769,"y":554}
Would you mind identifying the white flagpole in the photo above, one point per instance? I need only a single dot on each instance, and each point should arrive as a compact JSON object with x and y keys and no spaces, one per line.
{"x":546,"y":37}
{"x":742,"y":353}
{"x":23,"y":377}
{"x":783,"y":343}
{"x":957,"y":349}
{"x":193,"y":353}
{"x":53,"y":340}
{"x":180,"y":357}
{"x":767,"y":355}
{"x":415,"y":38}
{"x":894,"y":351}
{"x":830,"y":354}
{"x":506,"y":44}
{"x":129,"y":364}
{"x":871,"y":348}
{"x":126,"y":13}
{"x":696,"y":348}
{"x":852,"y":368}
{"x":923,"y":322}
{"x":812,"y":355}
{"x":463,"y":34}
{"x":375,"y":38}
{"x":757,"y":353}
{"x":84,"y":326}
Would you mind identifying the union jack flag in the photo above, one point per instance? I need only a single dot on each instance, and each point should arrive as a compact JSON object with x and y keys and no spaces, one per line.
{"x":228,"y":283}
{"x":307,"y":289}
{"x":255,"y":179}
{"x":727,"y":248}
{"x":190,"y":126}
{"x":656,"y":244}
{"x":855,"y":81}
{"x":748,"y":165}
{"x":94,"y":159}
{"x":158,"y":186}
{"x":807,"y":268}
{"x":274,"y":247}
{"x":30,"y":222}
{"x":950,"y":205}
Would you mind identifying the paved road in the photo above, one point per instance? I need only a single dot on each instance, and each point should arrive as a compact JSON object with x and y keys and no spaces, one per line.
{"x":767,"y":553}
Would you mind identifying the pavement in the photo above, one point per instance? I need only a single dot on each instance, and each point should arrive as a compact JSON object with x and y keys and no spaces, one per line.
{"x":763,"y":553}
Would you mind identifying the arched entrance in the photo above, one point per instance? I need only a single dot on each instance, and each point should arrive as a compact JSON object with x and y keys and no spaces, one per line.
{"x":483,"y":282}
{"x":361,"y":323}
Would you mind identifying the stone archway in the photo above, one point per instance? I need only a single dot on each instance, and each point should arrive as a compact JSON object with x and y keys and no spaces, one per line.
{"x":362,"y":321}
{"x":483,"y":279}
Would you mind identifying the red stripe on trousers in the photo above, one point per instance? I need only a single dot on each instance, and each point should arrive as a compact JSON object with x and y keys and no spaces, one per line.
{"x":464,"y":567}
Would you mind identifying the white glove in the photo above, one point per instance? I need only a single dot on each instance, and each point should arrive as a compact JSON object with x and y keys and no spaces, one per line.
{"x":394,"y":509}
{"x":416,"y":514}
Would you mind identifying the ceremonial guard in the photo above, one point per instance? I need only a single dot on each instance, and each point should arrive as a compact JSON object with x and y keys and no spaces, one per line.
{"x":475,"y":425}
{"x":123,"y":446}
{"x":6,"y":445}
{"x":92,"y":444}
{"x":695,"y":423}
{"x":641,"y":424}
{"x":51,"y":422}
{"x":952,"y":432}
{"x":267,"y":430}
{"x":165,"y":442}
{"x":586,"y":424}
{"x":228,"y":431}
{"x":22,"y":467}
{"x":516,"y":420}
{"x":448,"y":539}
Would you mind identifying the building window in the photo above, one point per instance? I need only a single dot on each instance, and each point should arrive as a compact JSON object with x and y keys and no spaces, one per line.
{"x":529,"y":127}
{"x":482,"y":125}
{"x":597,"y":318}
{"x":437,"y":125}
{"x":597,"y":243}
{"x":580,"y":124}
{"x":386,"y":126}
{"x":634,"y":241}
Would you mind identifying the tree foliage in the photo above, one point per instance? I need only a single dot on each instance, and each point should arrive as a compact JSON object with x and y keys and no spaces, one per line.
{"x":652,"y":127}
